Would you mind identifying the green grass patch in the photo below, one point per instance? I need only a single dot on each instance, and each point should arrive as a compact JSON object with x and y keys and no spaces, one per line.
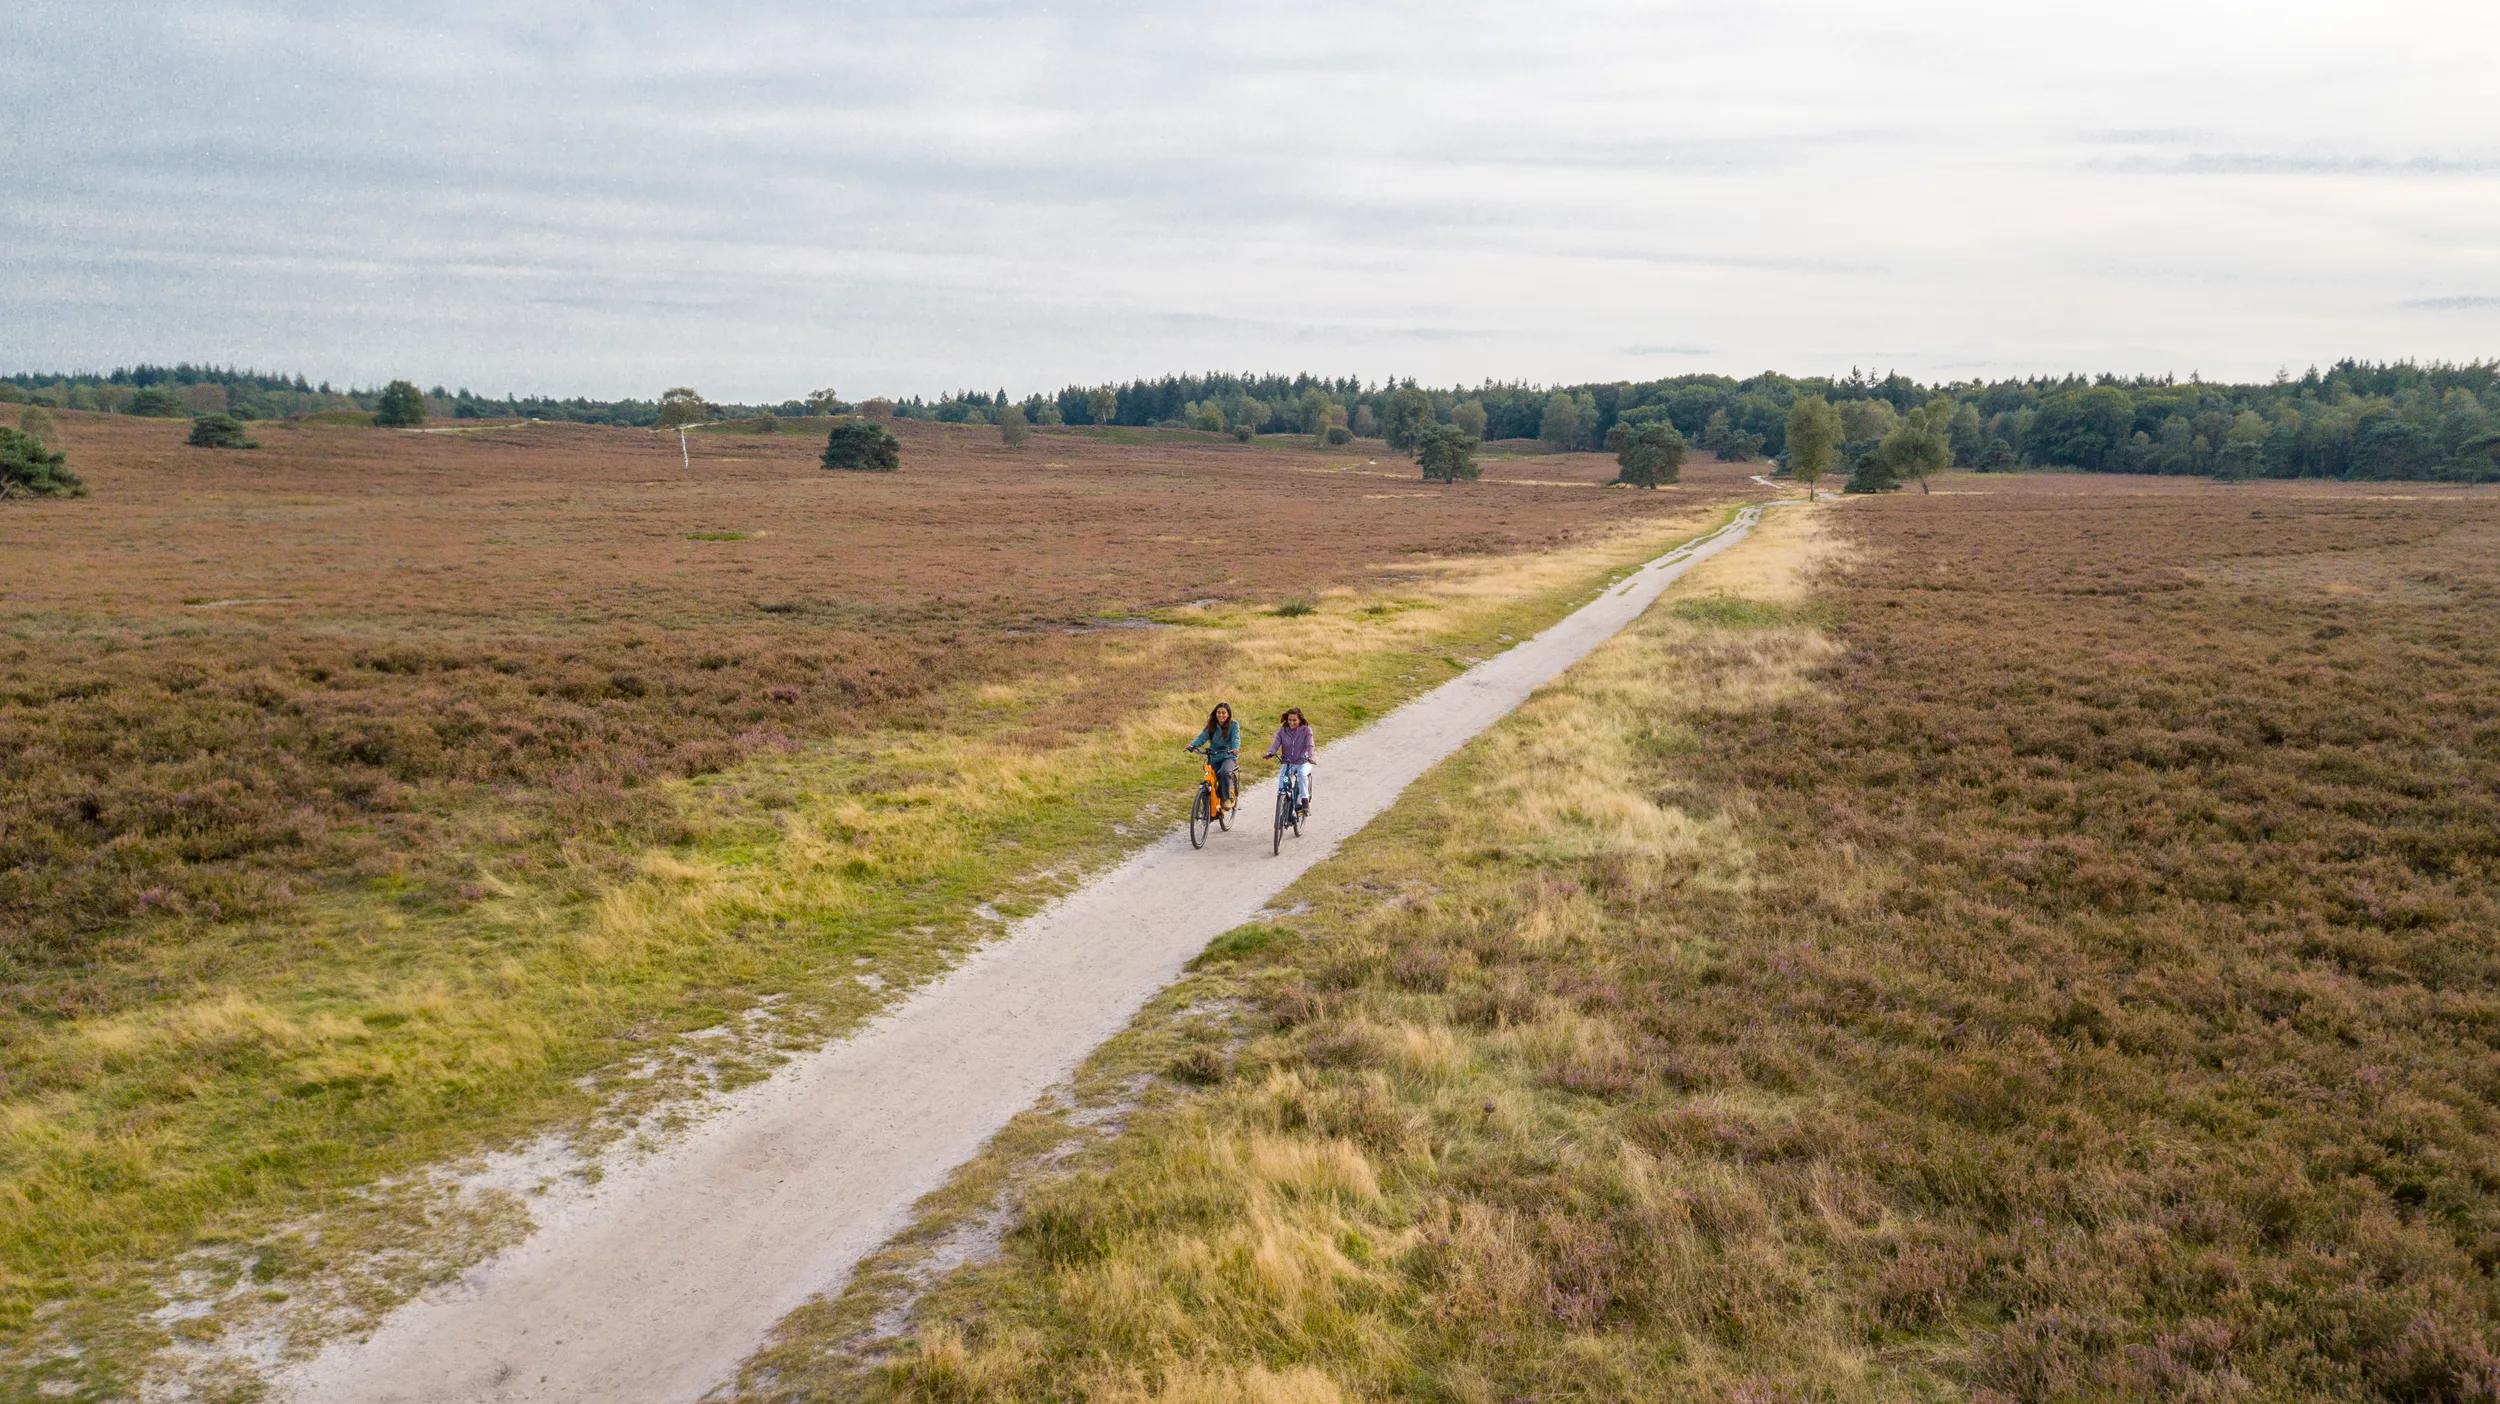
{"x":720,"y":536}
{"x":1243,"y":942}
{"x":1733,"y":612}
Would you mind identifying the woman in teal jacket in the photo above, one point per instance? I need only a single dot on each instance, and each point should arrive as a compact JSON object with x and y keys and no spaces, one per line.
{"x":1221,"y":740}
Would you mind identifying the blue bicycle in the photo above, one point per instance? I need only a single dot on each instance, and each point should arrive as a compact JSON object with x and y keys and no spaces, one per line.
{"x":1291,"y":803}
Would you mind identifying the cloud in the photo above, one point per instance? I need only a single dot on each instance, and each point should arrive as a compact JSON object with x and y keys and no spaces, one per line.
{"x":2304,"y":164}
{"x":605,"y":198}
{"x":2464,"y":303}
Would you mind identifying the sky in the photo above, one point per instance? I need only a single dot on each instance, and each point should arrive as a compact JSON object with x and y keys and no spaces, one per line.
{"x":761,"y":199}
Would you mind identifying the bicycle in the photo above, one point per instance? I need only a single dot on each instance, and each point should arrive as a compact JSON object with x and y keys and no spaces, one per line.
{"x":1290,"y":802}
{"x":1208,"y":809}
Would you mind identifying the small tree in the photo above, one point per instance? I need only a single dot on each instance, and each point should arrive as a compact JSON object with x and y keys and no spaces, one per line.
{"x":857,"y":446}
{"x":1102,"y":405}
{"x":1921,"y":444}
{"x":39,"y":425}
{"x":1652,"y":454}
{"x":402,"y":406}
{"x":1813,"y":438}
{"x":1870,"y":468}
{"x":220,"y":431}
{"x":1338,"y":434}
{"x":1447,"y":454}
{"x":824,"y":401}
{"x":1011,"y":430}
{"x":30,"y":469}
{"x":1469,"y":415}
{"x":1366,"y":424}
{"x":1048,"y":414}
{"x":877,"y":407}
{"x":768,"y":423}
{"x":681,"y":406}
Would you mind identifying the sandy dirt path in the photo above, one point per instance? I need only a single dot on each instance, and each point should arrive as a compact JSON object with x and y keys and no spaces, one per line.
{"x":654,"y":1287}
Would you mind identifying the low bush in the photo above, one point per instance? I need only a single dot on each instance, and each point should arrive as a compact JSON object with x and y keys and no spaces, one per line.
{"x":857,"y":446}
{"x":222,"y":431}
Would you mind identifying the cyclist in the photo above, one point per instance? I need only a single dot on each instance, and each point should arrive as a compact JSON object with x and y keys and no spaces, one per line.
{"x":1295,"y":743}
{"x":1221,"y":740}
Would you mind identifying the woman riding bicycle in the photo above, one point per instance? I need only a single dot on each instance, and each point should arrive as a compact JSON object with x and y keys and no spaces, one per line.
{"x":1295,"y":744}
{"x":1221,"y":739}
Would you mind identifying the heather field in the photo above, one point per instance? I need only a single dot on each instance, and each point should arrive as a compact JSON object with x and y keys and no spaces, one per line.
{"x":224,"y":670}
{"x":378,"y":798}
{"x":2034,"y":942}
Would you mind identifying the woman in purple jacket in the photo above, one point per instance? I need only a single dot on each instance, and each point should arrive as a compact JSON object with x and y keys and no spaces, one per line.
{"x":1294,"y":745}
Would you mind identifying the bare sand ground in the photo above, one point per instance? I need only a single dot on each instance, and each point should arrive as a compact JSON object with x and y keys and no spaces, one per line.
{"x":652,"y":1288}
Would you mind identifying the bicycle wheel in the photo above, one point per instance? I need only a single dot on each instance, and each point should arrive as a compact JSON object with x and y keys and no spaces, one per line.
{"x":1297,"y":811}
{"x":1284,"y":815}
{"x":1199,"y":820}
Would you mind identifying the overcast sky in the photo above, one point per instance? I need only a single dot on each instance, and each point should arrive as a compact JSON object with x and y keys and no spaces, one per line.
{"x":758,"y":199}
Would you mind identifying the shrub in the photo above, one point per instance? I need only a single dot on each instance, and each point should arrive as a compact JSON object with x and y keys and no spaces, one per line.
{"x":768,"y":423}
{"x":402,"y":406}
{"x":1011,"y":428}
{"x":1339,"y":434}
{"x":27,"y":467}
{"x":38,"y":423}
{"x":857,"y":446}
{"x":1243,"y":432}
{"x":1870,"y":470}
{"x":157,"y":402}
{"x":220,"y":431}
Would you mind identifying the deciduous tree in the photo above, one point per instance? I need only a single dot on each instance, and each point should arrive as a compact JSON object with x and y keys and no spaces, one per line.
{"x":1560,"y":428}
{"x":681,"y":406}
{"x":1469,"y":415}
{"x":1813,"y":440}
{"x":1408,"y":416}
{"x":1011,"y":430}
{"x":402,"y":406}
{"x":1652,"y":454}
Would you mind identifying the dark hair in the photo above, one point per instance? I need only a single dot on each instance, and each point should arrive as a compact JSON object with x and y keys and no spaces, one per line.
{"x":1293,"y":714}
{"x":1211,"y":711}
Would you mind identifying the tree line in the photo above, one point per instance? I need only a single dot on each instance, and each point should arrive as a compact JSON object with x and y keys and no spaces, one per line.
{"x":2355,"y":419}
